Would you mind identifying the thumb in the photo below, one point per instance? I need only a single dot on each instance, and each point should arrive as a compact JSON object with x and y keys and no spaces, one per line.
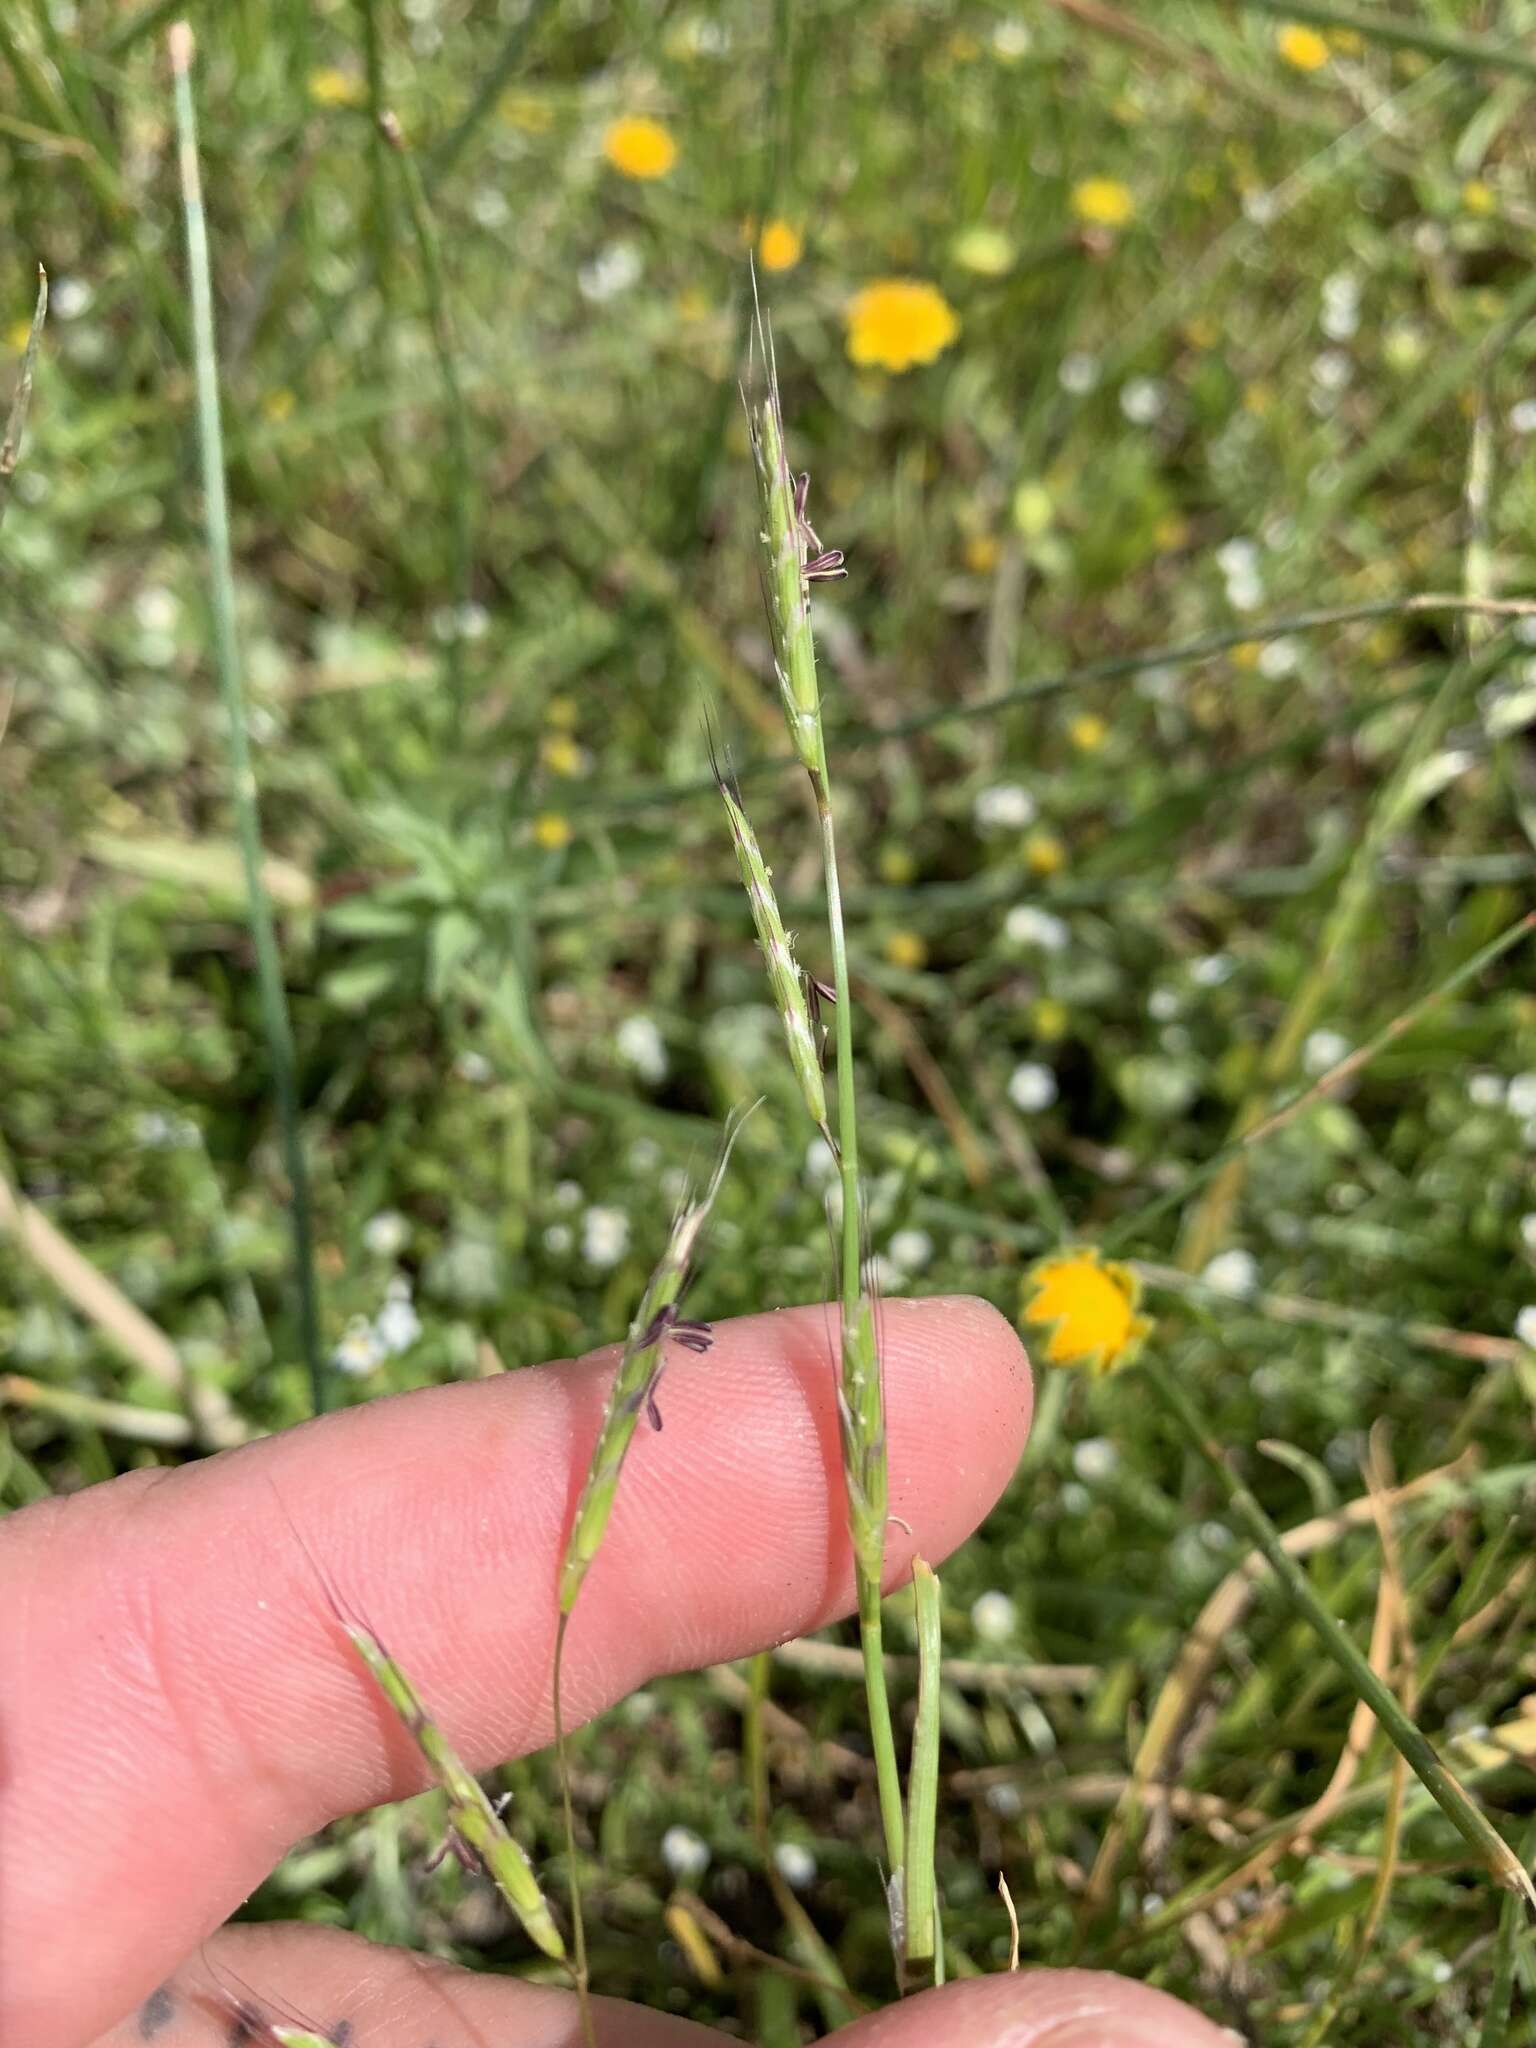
{"x":1039,"y":2009}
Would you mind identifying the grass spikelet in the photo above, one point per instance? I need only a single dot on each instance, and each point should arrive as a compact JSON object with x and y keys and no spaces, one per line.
{"x":471,"y":1816}
{"x":640,"y":1367}
{"x":785,"y":977}
{"x":472,"y":1819}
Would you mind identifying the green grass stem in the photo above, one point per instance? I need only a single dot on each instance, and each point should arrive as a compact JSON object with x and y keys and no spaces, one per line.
{"x":242,"y":773}
{"x":924,"y":1943}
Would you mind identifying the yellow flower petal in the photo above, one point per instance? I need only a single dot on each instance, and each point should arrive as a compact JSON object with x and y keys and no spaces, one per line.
{"x":906,"y":949}
{"x":330,"y":87}
{"x":1103,"y":202}
{"x":1302,"y":46}
{"x":779,"y":246}
{"x":1089,"y":1308}
{"x":639,"y":147}
{"x":551,"y":831}
{"x":898,"y":321}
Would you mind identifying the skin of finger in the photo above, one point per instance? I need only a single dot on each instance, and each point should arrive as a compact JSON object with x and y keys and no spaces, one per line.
{"x":178,"y":1702}
{"x":372,"y":1997}
{"x":365,"y":1996}
{"x":1039,"y":2009}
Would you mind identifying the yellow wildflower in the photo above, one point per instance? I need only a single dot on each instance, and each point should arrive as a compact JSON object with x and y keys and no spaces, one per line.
{"x":561,"y":755}
{"x":1044,"y":853}
{"x":906,"y":949}
{"x":1302,"y":46}
{"x":896,"y":866}
{"x":898,"y":321}
{"x":1103,"y":202}
{"x":1034,"y":509}
{"x":1049,"y":1017}
{"x":779,"y":246}
{"x":1478,"y":197}
{"x":278,"y":405}
{"x":1088,"y":732}
{"x":987,"y":251}
{"x":639,"y":147}
{"x":551,"y":831}
{"x":330,"y":87}
{"x":1245,"y":656}
{"x":1089,"y":1307}
{"x":981,"y":552}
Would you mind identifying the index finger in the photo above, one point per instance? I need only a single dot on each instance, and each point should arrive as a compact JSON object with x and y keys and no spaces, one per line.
{"x":178,"y":1704}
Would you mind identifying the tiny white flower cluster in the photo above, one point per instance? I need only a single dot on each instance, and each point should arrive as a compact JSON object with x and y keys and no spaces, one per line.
{"x":604,"y":1236}
{"x":1324,"y":1049}
{"x":685,"y":1854}
{"x":1028,"y":925}
{"x":994,"y":1617}
{"x":642,"y":1047}
{"x":1004,"y":807}
{"x":1238,"y":561}
{"x":1234,"y":1272}
{"x":368,"y":1341}
{"x":1144,"y":400}
{"x":1031,"y":1087}
{"x":1340,"y":319}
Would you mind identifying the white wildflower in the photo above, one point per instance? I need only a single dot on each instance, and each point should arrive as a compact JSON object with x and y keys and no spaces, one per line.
{"x":604,"y":1236}
{"x":1485,"y":1091}
{"x":1094,"y":1458}
{"x":397,"y":1325}
{"x":795,"y":1864}
{"x":1078,"y":372}
{"x":685,"y":1854}
{"x":1522,"y":417}
{"x":1234,"y":1272}
{"x":1324,"y":1049}
{"x":1144,"y":400}
{"x":1028,"y":925}
{"x":612,"y":271}
{"x":1525,"y":1325}
{"x":557,"y":1239}
{"x":642,"y":1047}
{"x":385,"y":1234}
{"x":911,"y":1250}
{"x":569,"y":1194}
{"x":994,"y":1617}
{"x":1031,"y":1086}
{"x":359,"y":1351}
{"x":70,"y":297}
{"x":1520,"y":1096}
{"x":1004,"y":807}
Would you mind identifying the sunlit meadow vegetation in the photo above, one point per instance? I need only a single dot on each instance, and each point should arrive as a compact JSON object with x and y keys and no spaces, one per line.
{"x":1153,"y":367}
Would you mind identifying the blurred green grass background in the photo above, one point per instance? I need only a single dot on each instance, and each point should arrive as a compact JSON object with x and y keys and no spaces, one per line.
{"x":1242,"y":343}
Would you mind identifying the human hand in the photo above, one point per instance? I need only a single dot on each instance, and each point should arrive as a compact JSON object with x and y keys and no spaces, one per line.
{"x":178,"y":1706}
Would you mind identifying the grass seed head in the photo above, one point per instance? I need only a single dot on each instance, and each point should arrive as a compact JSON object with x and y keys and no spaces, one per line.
{"x":634,"y":1384}
{"x":785,"y":978}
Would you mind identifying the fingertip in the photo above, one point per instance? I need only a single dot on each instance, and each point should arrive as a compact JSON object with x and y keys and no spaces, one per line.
{"x":1041,"y":2009}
